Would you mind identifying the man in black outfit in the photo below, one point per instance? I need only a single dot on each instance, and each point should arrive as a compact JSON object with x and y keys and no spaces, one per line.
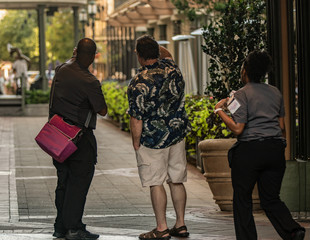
{"x":76,"y":92}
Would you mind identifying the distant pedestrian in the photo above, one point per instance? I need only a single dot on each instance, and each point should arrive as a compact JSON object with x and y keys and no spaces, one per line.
{"x":258,"y":156}
{"x":76,"y":92}
{"x":158,"y":125}
{"x":20,"y":70}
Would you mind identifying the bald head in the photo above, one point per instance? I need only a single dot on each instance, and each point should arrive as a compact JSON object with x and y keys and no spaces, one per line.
{"x":86,"y":50}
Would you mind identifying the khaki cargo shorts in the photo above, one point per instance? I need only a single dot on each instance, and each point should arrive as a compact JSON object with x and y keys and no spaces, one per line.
{"x":155,"y":166}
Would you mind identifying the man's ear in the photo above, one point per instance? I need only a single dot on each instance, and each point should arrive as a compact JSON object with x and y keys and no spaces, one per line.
{"x":140,"y":59}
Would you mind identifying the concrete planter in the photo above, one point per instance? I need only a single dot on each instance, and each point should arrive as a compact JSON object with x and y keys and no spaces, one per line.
{"x":36,"y":110}
{"x":218,"y":174}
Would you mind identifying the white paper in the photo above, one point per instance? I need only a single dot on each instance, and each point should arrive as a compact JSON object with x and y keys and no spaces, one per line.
{"x":233,"y":106}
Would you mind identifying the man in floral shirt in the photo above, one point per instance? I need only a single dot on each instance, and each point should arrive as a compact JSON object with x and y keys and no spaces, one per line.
{"x":158,"y":125}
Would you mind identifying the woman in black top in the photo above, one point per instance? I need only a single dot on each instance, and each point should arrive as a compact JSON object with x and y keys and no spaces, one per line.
{"x":258,"y":121}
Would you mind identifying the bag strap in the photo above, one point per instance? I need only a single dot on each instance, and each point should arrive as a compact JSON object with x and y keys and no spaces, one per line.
{"x":52,"y":94}
{"x":89,"y":115}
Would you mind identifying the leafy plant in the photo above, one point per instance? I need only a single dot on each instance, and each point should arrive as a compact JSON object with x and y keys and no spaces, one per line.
{"x":116,"y":98}
{"x":37,"y":96}
{"x":193,"y":9}
{"x":228,"y":39}
{"x":205,"y":124}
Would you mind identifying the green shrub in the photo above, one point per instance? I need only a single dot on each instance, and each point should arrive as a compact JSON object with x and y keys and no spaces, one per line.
{"x":228,"y":38}
{"x":116,"y":99}
{"x":205,"y":123}
{"x":37,"y":96}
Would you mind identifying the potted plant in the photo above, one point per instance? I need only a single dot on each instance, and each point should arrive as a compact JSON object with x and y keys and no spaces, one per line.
{"x":239,"y":30}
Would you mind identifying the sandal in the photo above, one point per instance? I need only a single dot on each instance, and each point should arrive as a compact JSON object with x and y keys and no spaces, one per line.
{"x":176,"y":232}
{"x":155,"y":235}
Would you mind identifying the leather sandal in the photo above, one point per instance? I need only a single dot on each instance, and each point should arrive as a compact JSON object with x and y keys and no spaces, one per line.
{"x":155,"y":235}
{"x":177,"y":232}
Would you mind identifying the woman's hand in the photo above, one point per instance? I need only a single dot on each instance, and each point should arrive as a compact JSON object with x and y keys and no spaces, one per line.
{"x":236,"y":128}
{"x":221,"y":104}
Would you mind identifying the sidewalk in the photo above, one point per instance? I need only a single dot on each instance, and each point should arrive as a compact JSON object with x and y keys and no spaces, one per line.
{"x":117,"y":206}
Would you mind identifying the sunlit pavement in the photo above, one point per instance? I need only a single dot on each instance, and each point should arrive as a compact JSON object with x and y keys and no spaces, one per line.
{"x":117,"y":206}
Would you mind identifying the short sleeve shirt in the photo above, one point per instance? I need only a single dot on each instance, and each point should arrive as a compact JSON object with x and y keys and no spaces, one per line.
{"x":156,"y":96}
{"x":76,"y":92}
{"x":261,"y":105}
{"x":20,"y":66}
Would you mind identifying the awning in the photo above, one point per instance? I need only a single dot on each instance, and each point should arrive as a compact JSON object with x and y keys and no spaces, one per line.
{"x":140,"y":12}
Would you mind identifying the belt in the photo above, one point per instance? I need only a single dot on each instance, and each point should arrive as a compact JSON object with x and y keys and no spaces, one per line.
{"x":269,"y":138}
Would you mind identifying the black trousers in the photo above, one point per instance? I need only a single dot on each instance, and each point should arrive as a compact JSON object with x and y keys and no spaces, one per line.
{"x":74,"y":178}
{"x":262,"y":162}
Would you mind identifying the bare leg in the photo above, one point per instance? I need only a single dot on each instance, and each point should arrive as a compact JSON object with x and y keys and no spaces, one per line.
{"x":178,"y":195}
{"x":159,"y":202}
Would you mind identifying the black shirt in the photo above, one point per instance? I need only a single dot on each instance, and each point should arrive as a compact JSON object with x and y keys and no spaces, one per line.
{"x":76,"y":92}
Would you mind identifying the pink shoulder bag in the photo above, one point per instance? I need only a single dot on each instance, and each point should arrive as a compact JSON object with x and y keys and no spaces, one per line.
{"x":57,"y":137}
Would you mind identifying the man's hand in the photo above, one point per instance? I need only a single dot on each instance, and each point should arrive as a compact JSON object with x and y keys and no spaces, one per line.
{"x":74,"y":53}
{"x":103,"y":111}
{"x":164,"y":53}
{"x":136,"y":146}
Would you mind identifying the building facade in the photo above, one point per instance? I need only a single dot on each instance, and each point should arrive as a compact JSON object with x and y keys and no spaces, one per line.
{"x":289,"y":43}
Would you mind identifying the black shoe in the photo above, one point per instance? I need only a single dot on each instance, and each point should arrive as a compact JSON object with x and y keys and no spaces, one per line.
{"x":59,"y":235}
{"x":80,"y":235}
{"x":298,"y":234}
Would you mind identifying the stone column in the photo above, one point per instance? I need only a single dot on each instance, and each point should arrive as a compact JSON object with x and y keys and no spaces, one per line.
{"x":42,"y":46}
{"x":76,"y":24}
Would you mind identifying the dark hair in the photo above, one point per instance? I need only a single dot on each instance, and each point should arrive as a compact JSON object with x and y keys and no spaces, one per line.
{"x":147,"y":47}
{"x":86,"y":46}
{"x":256,"y":65}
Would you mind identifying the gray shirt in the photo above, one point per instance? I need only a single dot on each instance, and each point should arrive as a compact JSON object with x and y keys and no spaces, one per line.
{"x":261,"y":105}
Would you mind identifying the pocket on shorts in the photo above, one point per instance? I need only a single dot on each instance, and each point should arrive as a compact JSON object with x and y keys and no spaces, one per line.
{"x":141,"y":159}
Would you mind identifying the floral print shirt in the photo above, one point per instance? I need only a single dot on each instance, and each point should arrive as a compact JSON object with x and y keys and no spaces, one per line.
{"x":156,"y":96}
